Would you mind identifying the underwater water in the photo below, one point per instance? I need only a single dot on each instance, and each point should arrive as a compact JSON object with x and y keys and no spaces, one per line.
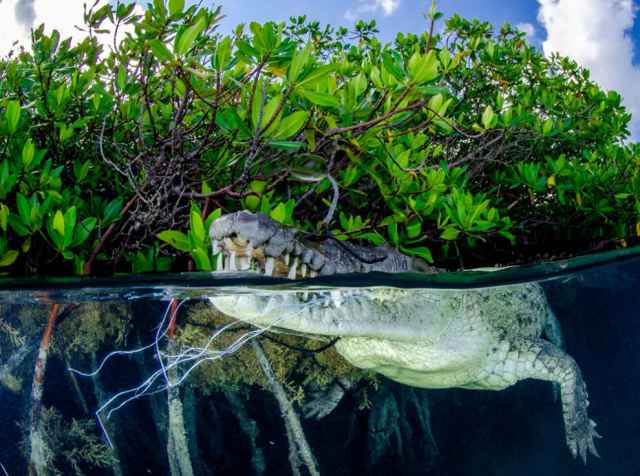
{"x":143,"y":376}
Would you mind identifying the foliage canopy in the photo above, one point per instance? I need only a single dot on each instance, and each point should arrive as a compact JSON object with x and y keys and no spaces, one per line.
{"x":468,"y":146}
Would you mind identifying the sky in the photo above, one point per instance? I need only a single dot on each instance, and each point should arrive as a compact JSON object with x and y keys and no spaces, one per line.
{"x":602,"y":35}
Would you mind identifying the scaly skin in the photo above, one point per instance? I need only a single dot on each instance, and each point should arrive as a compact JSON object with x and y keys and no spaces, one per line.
{"x":487,"y":338}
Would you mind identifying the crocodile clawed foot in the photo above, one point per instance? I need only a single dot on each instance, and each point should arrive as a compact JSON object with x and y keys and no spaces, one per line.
{"x":323,"y":402}
{"x":581,"y":440}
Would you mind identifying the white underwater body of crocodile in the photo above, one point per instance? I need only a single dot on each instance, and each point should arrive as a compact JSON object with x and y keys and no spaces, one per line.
{"x":485,"y":338}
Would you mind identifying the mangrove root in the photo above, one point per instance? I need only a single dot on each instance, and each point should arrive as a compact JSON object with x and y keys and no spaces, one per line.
{"x":177,"y":446}
{"x":295,"y":433}
{"x":40,"y":453}
{"x":250,"y":428}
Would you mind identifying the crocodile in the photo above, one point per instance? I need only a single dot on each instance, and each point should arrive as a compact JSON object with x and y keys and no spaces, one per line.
{"x":484,"y":338}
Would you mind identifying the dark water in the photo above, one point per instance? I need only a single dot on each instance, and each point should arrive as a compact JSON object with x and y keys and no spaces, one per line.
{"x":232,"y":421}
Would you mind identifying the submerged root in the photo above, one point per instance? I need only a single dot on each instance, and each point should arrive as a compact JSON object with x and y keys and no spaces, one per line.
{"x":295,"y":433}
{"x":177,"y":446}
{"x":40,"y":455}
{"x":250,"y":428}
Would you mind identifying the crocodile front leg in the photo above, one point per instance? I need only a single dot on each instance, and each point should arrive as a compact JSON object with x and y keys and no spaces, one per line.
{"x":323,"y":402}
{"x":539,"y":359}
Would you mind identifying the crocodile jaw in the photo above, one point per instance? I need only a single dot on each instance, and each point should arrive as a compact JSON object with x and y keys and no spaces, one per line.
{"x":249,"y":241}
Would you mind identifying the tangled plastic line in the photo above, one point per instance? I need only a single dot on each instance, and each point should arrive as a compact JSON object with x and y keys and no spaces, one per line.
{"x":192,"y":355}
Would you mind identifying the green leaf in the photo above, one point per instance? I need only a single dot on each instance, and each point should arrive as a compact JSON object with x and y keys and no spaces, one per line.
{"x":450,"y":234}
{"x":251,"y":202}
{"x":371,"y":237}
{"x":17,"y":225}
{"x":435,"y":103}
{"x":509,"y":236}
{"x":246,"y":49}
{"x":392,"y":66}
{"x":223,"y":53}
{"x":58,"y":223}
{"x":201,"y":258}
{"x":81,"y":170}
{"x":291,"y":124}
{"x":122,"y":77}
{"x":269,"y":110}
{"x":83,"y":230}
{"x":392,"y":231}
{"x":177,"y":239}
{"x":12,"y":114}
{"x":423,"y":68}
{"x":160,"y":50}
{"x":298,"y":62}
{"x":197,"y":226}
{"x":317,"y":74}
{"x":4,"y":216}
{"x":279,"y":213}
{"x":487,"y":117}
{"x":112,"y":211}
{"x":175,"y":7}
{"x":24,"y":209}
{"x":8,"y":258}
{"x":320,"y":99}
{"x":421,"y":251}
{"x":286,"y":145}
{"x":28,"y":152}
{"x":69,"y":225}
{"x":185,"y":41}
{"x":414,"y":227}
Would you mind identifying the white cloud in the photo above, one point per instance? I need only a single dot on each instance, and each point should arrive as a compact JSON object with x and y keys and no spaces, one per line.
{"x":595,"y":34}
{"x":528,"y":29}
{"x":17,"y":17}
{"x":371,"y":7}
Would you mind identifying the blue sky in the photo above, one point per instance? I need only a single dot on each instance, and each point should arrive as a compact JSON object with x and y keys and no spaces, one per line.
{"x":602,"y":35}
{"x":407,"y":17}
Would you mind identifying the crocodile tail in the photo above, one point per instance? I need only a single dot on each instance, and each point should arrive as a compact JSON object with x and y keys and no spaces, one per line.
{"x":553,"y":330}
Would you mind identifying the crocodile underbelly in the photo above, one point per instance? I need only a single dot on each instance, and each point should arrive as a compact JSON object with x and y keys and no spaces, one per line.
{"x":444,"y":363}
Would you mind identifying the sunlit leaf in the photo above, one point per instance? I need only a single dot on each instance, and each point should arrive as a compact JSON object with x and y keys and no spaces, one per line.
{"x":185,"y":41}
{"x":291,"y":124}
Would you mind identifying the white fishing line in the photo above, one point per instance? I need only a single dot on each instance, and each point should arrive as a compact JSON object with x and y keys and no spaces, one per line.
{"x":184,"y":362}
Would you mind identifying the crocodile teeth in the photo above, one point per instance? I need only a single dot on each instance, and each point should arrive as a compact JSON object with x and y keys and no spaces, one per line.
{"x":268,"y":266}
{"x":293,"y":269}
{"x":220,"y":263}
{"x":303,"y":270}
{"x":232,"y":261}
{"x":215,"y":247}
{"x":244,"y":263}
{"x":286,"y":258}
{"x":313,"y":274}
